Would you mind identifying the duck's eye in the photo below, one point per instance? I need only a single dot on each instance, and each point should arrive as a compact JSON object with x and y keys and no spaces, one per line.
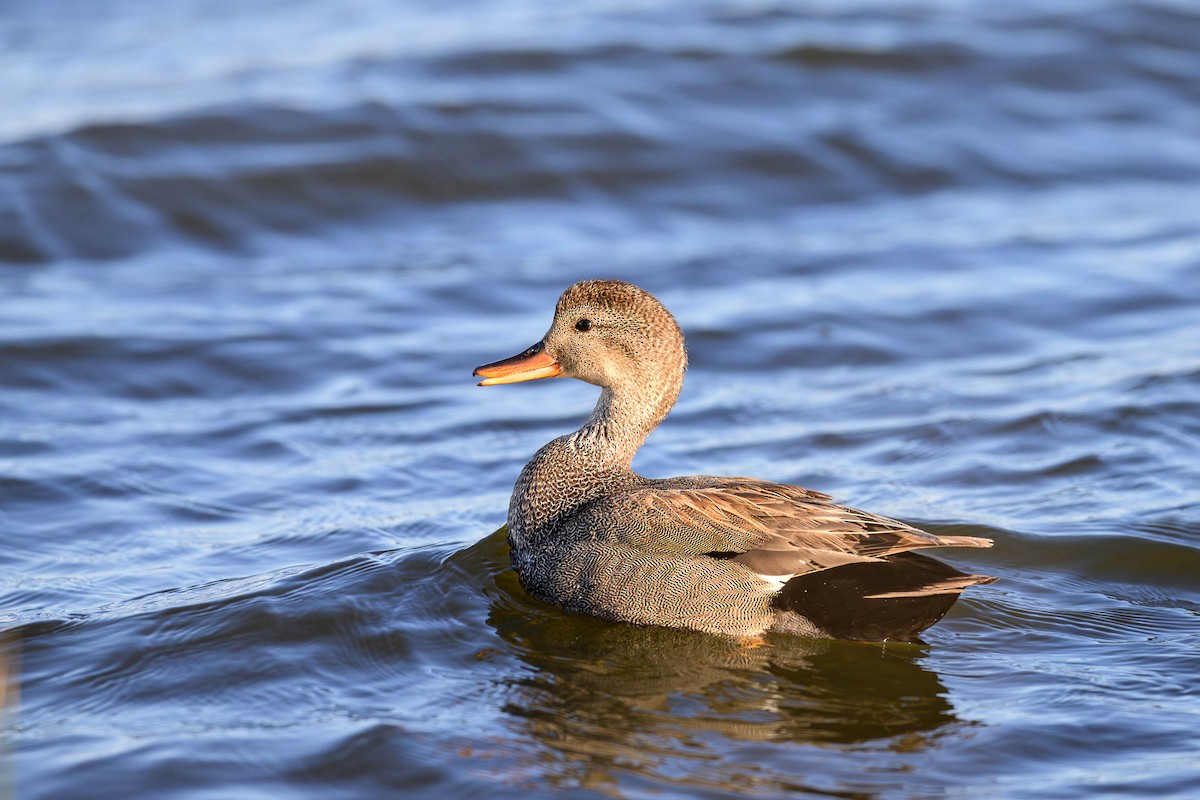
{"x":583,"y":326}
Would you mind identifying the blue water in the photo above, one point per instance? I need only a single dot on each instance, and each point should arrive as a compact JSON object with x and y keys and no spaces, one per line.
{"x":941,"y":260}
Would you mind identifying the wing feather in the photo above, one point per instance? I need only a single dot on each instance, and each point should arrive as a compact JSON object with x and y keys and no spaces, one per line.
{"x":773,"y":528}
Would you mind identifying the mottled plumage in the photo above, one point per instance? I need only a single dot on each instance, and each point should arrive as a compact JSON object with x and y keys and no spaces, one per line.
{"x":733,"y":556}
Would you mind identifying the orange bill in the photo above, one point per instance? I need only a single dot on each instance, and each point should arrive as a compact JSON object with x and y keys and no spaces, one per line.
{"x":527,"y":366}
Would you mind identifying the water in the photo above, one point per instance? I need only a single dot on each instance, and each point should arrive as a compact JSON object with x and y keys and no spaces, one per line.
{"x":940,"y":260}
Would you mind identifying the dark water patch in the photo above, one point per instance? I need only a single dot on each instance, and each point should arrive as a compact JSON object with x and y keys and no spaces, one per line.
{"x":339,"y":764}
{"x":218,"y":190}
{"x":910,"y":57}
{"x":141,"y":369}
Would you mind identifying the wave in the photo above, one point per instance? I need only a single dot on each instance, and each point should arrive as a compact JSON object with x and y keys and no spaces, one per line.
{"x":730,"y":130}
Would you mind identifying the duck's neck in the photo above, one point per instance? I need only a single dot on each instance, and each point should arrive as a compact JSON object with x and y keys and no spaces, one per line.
{"x":621,"y":421}
{"x":594,"y":461}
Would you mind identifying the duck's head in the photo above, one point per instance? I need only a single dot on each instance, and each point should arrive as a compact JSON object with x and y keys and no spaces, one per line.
{"x":608,"y":333}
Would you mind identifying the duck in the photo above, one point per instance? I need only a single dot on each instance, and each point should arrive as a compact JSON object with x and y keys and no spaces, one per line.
{"x":731,"y":556}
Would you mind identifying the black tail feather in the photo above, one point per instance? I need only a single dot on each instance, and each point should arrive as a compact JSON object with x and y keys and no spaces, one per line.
{"x":845,"y":601}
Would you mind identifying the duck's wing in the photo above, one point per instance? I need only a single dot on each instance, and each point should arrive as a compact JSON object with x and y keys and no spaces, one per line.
{"x":777,"y":530}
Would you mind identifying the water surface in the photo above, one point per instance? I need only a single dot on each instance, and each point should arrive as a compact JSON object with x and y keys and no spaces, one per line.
{"x":939,"y":260}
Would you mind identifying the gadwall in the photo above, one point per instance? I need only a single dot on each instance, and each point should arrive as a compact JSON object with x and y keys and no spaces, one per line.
{"x":730,"y":556}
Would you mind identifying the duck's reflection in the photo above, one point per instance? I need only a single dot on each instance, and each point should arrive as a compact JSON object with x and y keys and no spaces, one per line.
{"x":607,"y":698}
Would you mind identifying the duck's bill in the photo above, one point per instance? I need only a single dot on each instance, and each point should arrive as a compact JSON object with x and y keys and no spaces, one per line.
{"x":527,"y":366}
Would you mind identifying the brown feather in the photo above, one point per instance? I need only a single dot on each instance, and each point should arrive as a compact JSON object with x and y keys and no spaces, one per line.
{"x":764,"y":522}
